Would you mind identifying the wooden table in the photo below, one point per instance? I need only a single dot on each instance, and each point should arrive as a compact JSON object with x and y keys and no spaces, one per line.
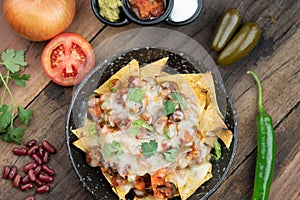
{"x":275,"y":59}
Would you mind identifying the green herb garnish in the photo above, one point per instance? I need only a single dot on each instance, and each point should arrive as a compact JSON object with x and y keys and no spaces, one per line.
{"x":171,"y":154}
{"x":137,"y":124}
{"x":136,"y":94}
{"x":170,"y":105}
{"x":218,"y":152}
{"x":112,"y":149}
{"x":178,"y":97}
{"x":92,"y":130}
{"x":149,"y":148}
{"x":12,"y":62}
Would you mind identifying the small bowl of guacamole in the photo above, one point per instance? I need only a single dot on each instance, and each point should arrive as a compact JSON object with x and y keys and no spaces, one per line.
{"x":110,"y":12}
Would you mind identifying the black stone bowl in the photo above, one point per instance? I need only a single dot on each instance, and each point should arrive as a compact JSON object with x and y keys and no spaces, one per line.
{"x":132,"y":17}
{"x":96,"y":10}
{"x":92,"y":178}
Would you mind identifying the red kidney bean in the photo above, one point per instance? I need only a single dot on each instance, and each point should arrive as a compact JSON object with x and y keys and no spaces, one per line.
{"x":30,"y":143}
{"x":32,"y":149}
{"x":25,"y":179}
{"x":19,"y":151}
{"x":41,"y":152}
{"x":26,"y":186}
{"x":43,"y":188}
{"x":31,"y":175}
{"x":37,"y":159}
{"x":13,"y":172}
{"x":48,"y":170}
{"x":29,"y":166}
{"x":45,"y":157}
{"x":30,"y":198}
{"x":38,"y":182}
{"x":17,"y":180}
{"x":38,"y":169}
{"x":48,"y":147}
{"x":6,"y":172}
{"x":45,"y":178}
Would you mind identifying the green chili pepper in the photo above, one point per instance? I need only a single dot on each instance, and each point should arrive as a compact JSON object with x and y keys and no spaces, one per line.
{"x":266,"y":148}
{"x":241,"y":44}
{"x":227,"y":26}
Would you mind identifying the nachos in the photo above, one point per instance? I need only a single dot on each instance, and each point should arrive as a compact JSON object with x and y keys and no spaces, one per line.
{"x":153,"y":132}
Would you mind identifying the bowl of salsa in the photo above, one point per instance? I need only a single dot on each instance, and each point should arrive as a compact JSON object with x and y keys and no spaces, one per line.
{"x":147,"y":12}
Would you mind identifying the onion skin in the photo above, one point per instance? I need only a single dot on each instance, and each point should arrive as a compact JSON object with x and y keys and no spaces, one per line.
{"x":39,"y":20}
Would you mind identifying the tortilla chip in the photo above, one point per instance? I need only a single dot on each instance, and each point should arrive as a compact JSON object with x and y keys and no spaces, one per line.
{"x":211,"y":120}
{"x":183,"y":85}
{"x":132,"y":68}
{"x":207,"y":78}
{"x":153,"y":69}
{"x":226,"y":136}
{"x":210,"y":140}
{"x":188,"y":180}
{"x":84,"y":131}
{"x":86,"y":142}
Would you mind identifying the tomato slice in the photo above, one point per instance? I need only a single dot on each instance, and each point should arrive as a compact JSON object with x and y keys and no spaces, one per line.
{"x":68,"y":58}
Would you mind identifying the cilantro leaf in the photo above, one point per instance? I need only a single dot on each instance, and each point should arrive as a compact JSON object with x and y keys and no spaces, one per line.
{"x":149,"y":148}
{"x":137,"y":124}
{"x":92,"y":130}
{"x":143,"y":123}
{"x":5,"y":116}
{"x":178,"y":97}
{"x":13,"y":134}
{"x":13,"y":60}
{"x":218,"y":152}
{"x":136,"y":94}
{"x":24,"y":115}
{"x":134,"y":130}
{"x":113,"y":149}
{"x":171,"y":154}
{"x":169,"y":107}
{"x":19,"y":79}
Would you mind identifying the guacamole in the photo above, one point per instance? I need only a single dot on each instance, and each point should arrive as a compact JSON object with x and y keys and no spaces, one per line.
{"x":110,"y":9}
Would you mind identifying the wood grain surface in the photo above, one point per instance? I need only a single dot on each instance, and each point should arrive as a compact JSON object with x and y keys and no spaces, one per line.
{"x":276,"y":60}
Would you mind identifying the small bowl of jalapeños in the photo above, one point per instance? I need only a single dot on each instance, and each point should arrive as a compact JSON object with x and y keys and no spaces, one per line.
{"x":109,"y":12}
{"x":146,"y":12}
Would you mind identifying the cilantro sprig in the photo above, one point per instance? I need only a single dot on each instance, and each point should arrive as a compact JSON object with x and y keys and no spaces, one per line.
{"x":171,"y":154}
{"x":149,"y":148}
{"x":136,"y":94}
{"x":137,"y":124}
{"x":12,"y":62}
{"x":218,"y":152}
{"x":170,"y":105}
{"x":112,"y":149}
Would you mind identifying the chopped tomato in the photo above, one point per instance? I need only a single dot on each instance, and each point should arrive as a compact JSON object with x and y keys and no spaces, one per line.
{"x":68,"y":58}
{"x":146,"y":9}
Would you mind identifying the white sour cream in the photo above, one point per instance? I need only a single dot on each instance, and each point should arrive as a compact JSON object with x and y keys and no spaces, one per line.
{"x":183,"y":10}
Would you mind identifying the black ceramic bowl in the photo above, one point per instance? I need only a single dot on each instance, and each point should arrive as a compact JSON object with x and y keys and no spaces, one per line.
{"x":92,"y":178}
{"x":171,"y":21}
{"x":96,"y":10}
{"x":130,"y":14}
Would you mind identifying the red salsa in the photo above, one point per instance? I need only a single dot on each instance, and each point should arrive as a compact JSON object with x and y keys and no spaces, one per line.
{"x":147,"y":9}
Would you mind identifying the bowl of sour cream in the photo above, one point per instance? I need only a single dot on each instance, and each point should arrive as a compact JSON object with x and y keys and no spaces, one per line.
{"x":184,"y":12}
